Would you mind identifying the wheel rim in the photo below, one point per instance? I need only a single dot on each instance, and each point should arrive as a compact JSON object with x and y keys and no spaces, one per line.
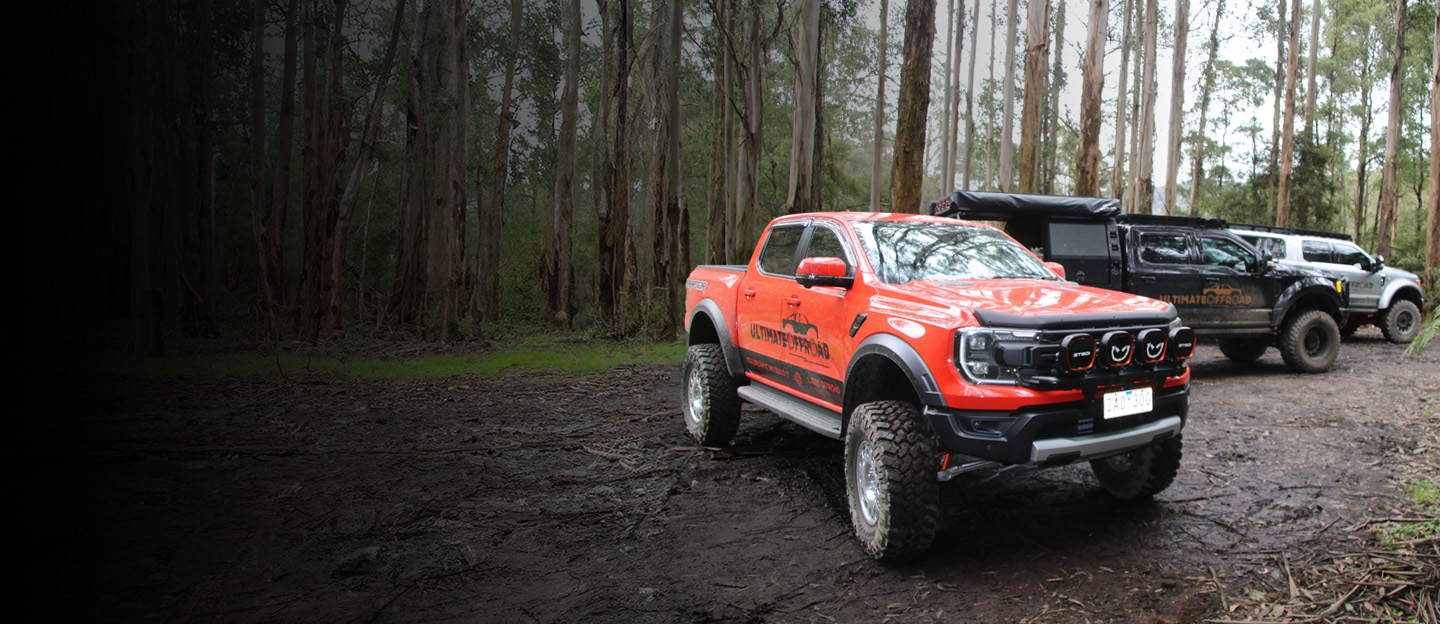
{"x":1119,"y":463}
{"x":1404,"y":322}
{"x":867,"y":483}
{"x":1314,"y":341}
{"x":695,"y":391}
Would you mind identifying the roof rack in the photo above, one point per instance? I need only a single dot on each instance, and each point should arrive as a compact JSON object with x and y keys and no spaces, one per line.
{"x":991,"y":206}
{"x":1287,"y":230}
{"x":1146,"y":219}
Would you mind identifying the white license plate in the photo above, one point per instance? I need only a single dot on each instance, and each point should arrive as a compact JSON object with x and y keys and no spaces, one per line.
{"x":1127,"y":402}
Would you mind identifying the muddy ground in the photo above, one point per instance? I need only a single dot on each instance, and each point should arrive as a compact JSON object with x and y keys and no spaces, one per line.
{"x":552,"y":498}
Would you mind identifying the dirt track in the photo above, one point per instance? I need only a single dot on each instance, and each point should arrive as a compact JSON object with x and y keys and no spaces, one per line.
{"x":553,"y":499}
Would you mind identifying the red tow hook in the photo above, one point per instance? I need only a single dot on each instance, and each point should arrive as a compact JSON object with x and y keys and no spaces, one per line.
{"x":944,"y":461}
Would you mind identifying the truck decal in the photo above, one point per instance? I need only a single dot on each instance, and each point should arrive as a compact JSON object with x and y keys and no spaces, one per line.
{"x":798,"y":344}
{"x":1214,"y":295}
{"x":819,"y":386}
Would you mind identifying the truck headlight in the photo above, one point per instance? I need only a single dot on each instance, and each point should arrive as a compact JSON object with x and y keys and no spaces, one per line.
{"x":994,"y":355}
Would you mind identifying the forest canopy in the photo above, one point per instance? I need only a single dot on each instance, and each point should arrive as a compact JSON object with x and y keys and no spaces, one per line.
{"x":451,"y":170}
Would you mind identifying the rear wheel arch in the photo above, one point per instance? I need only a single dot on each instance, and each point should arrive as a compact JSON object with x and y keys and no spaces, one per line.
{"x":1313,"y":298}
{"x":707,"y":326}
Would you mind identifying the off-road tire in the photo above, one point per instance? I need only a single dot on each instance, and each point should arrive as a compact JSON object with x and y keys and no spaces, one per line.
{"x":1309,"y":341}
{"x":1141,"y":473}
{"x":1244,"y":350}
{"x":891,"y":480}
{"x":1401,"y":321}
{"x":708,"y":399}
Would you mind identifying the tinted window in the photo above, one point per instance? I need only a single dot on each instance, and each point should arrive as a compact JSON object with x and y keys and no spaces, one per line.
{"x":1164,"y":249}
{"x":824,"y":243}
{"x":1316,"y":251}
{"x":1226,"y":253}
{"x":1273,"y":246}
{"x":778,"y":257}
{"x":1346,"y":253}
{"x":902,"y":251}
{"x":1072,"y":240}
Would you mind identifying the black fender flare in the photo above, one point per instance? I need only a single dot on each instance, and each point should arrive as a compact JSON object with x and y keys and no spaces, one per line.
{"x":710,"y":309}
{"x":1317,"y":286}
{"x":899,"y":352}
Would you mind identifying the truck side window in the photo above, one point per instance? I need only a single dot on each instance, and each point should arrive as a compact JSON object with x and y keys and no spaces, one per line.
{"x":1226,"y":253}
{"x":778,"y":257}
{"x":825,"y":244}
{"x":1350,"y":254}
{"x":1273,"y":246}
{"x":1316,"y":251}
{"x":1164,"y":249}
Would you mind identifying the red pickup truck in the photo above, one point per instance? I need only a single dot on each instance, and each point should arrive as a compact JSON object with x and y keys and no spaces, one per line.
{"x":934,"y":347}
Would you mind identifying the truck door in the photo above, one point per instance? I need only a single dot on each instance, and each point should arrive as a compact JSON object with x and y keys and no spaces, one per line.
{"x":1233,"y":289}
{"x":1349,"y":261}
{"x":818,"y":320}
{"x":760,"y":305}
{"x":1162,"y":268}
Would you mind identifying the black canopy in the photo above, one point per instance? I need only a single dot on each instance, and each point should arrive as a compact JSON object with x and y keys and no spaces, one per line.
{"x":988,"y":206}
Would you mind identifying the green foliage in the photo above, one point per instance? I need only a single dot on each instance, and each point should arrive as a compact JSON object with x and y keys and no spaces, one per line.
{"x":546,"y":353}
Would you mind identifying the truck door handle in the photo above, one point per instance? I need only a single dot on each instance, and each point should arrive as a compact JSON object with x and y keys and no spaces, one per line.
{"x":792,"y":300}
{"x":1149,"y":279}
{"x":749,"y":293}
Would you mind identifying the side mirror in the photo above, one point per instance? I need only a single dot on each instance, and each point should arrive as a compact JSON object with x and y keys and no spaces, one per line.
{"x":1056,"y":268}
{"x":1377,"y":265}
{"x":1267,"y":262}
{"x":824,"y":272}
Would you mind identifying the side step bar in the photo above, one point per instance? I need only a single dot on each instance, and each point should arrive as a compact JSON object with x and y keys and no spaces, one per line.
{"x":802,"y":412}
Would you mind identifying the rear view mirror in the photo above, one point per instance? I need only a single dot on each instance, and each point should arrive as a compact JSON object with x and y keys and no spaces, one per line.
{"x":824,"y":272}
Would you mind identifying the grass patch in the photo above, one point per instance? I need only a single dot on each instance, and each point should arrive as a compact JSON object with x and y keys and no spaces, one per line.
{"x":540,"y":353}
{"x":1426,"y":525}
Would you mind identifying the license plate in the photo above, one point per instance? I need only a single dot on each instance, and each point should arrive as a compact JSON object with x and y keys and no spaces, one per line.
{"x":1127,"y":402}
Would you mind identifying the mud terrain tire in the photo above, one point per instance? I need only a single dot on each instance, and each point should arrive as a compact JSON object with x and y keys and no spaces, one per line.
{"x":890,"y":480}
{"x":710,"y":403}
{"x":1401,"y":321}
{"x":1141,"y":473}
{"x":1244,"y":350}
{"x":1309,"y":341}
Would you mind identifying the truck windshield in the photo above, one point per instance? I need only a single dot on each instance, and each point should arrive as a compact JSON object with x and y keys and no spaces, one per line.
{"x":902,"y":251}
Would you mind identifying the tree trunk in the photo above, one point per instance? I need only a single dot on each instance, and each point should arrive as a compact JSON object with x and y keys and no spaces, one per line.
{"x":802,"y":129}
{"x":992,"y":160}
{"x":1177,"y":103}
{"x":970,"y":100}
{"x":953,"y":115}
{"x":877,"y":149}
{"x":1287,"y":136}
{"x":1144,"y":182}
{"x":485,"y":299}
{"x":1117,"y":178}
{"x":947,"y":154}
{"x":1389,"y":185}
{"x":1037,"y":54}
{"x":1197,"y":173}
{"x":664,"y":166}
{"x":1366,"y":116}
{"x":1054,"y":85}
{"x":1087,"y":161}
{"x":1006,"y":129}
{"x":562,"y":308}
{"x":319,"y":209}
{"x":1280,"y":37}
{"x":747,"y":182}
{"x":1432,"y":244}
{"x":908,"y":173}
{"x":1310,"y":69}
{"x":718,"y":197}
{"x":284,"y":149}
{"x":408,"y":300}
{"x":257,"y":172}
{"x":358,"y":169}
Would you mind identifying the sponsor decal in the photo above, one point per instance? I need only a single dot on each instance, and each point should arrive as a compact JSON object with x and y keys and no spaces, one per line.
{"x":1214,"y":295}
{"x":1119,"y":353}
{"x":796,"y":343}
{"x":1154,"y":351}
{"x":819,"y":386}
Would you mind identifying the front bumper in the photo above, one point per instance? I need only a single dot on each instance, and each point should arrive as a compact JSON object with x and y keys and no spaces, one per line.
{"x":1053,"y":435}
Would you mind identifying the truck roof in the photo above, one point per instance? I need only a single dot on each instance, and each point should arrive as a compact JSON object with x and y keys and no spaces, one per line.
{"x":989,"y":206}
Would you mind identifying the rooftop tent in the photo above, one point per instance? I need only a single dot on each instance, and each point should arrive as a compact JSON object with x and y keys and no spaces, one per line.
{"x":988,"y":206}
